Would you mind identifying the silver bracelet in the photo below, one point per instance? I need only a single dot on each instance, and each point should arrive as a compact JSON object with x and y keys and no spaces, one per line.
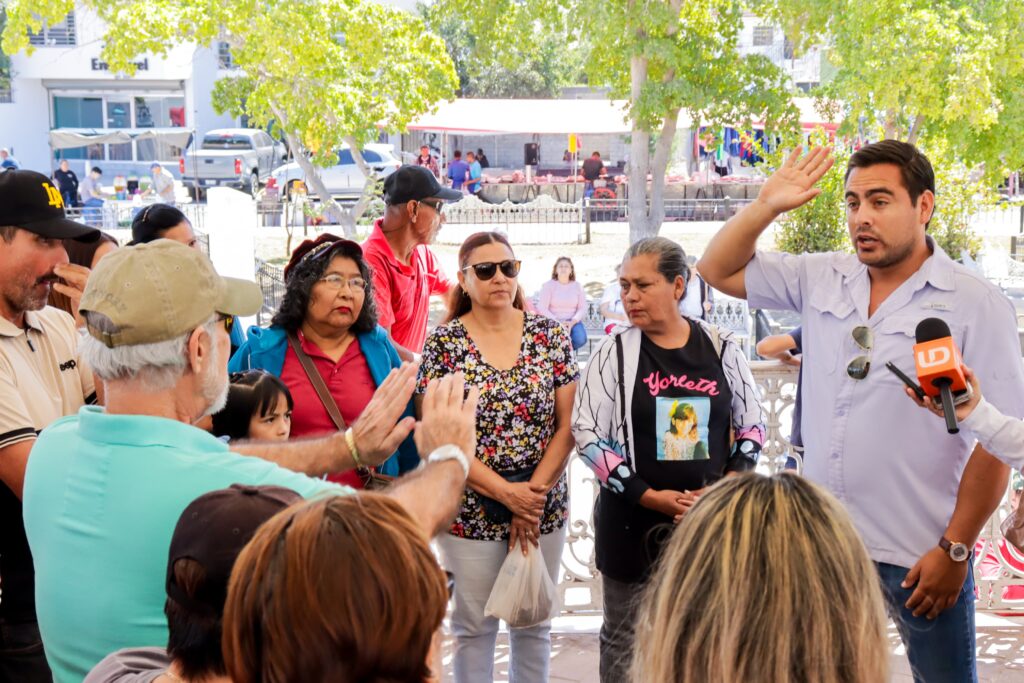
{"x":450,"y":452}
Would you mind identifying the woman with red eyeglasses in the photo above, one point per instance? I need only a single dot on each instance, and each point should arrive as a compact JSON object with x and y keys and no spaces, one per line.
{"x":516,"y":495}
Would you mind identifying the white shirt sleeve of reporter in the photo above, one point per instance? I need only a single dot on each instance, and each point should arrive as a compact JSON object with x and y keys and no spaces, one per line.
{"x":999,"y":434}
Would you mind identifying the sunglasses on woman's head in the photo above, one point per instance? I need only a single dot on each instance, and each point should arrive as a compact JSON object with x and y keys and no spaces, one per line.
{"x":488,"y":269}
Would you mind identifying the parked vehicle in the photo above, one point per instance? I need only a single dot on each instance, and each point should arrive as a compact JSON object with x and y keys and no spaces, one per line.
{"x":242,"y":158}
{"x":344,"y":179}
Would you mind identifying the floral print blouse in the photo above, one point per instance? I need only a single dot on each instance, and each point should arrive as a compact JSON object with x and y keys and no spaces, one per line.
{"x":515,"y":418}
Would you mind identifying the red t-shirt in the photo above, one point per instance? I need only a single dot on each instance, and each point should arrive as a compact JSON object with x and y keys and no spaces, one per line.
{"x":402,"y":292}
{"x":350,"y":383}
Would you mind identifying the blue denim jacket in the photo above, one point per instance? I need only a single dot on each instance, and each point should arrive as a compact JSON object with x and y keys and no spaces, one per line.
{"x":265,"y":349}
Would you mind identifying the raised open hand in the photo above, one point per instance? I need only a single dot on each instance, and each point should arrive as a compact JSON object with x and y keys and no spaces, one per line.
{"x":792,"y":184}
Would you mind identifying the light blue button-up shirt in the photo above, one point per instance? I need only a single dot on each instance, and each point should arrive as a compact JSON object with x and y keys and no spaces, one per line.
{"x":891,"y":463}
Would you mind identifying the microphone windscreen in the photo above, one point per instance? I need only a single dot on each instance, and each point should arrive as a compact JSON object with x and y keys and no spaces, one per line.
{"x":930,"y":329}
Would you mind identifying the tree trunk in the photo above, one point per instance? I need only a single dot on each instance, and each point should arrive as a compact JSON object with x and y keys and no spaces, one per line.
{"x":331,"y":208}
{"x":659,"y":168}
{"x":915,"y":129}
{"x":639,"y":157}
{"x":370,"y":183}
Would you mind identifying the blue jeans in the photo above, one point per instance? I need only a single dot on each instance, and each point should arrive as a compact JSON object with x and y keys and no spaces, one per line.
{"x":91,"y":214}
{"x":578,"y":335}
{"x":940,"y":649}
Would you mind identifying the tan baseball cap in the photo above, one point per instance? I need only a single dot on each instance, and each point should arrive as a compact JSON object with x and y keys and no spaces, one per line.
{"x":160,"y":291}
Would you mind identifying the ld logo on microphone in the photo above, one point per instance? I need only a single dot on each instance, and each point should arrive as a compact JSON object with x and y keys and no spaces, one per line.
{"x":939,"y":360}
{"x":933,"y":357}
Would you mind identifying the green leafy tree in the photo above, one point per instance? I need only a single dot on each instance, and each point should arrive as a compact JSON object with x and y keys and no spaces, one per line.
{"x":665,"y":57}
{"x":550,"y":64}
{"x":819,"y":225}
{"x":322,"y":73}
{"x":945,"y":73}
{"x":959,"y":193}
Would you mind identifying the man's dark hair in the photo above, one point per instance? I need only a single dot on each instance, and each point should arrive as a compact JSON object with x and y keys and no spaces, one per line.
{"x":194,"y":638}
{"x":307,"y":273}
{"x":457,"y":154}
{"x":7,"y":233}
{"x":97,"y":169}
{"x":915,"y":169}
{"x":596,"y":154}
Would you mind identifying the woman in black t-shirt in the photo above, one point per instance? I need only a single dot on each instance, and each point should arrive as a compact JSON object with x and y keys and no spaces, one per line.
{"x":667,"y":407}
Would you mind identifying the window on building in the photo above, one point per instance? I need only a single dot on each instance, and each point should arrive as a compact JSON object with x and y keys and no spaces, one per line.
{"x":224,"y":60}
{"x":763,"y":36}
{"x":121,"y":111}
{"x":61,"y":34}
{"x":788,"y":51}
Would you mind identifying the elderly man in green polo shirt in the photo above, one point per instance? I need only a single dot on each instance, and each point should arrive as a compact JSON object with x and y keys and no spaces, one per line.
{"x":104,"y":488}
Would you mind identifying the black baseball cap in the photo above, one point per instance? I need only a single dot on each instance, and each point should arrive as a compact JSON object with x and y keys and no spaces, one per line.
{"x":212,"y":531}
{"x":28,"y":200}
{"x":412,"y":183}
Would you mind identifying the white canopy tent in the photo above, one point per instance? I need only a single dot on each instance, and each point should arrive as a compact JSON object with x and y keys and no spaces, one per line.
{"x":67,"y":138}
{"x":507,"y":117}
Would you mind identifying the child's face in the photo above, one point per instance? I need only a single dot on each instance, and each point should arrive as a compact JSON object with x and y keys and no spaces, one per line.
{"x":276,"y":425}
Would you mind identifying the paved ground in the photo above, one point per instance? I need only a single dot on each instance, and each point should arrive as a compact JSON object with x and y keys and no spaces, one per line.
{"x":574,"y":652}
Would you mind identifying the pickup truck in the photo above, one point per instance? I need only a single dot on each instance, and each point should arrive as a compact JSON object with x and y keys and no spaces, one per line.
{"x":231,"y":157}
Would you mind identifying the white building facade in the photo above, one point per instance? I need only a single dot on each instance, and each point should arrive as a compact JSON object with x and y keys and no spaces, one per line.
{"x":65,"y":84}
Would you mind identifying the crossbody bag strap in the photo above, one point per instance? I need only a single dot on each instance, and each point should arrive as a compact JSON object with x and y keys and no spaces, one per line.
{"x":318,"y":382}
{"x":622,"y":394}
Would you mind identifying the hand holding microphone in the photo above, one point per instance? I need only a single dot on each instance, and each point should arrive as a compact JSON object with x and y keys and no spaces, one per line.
{"x":940,"y":369}
{"x":964,"y":409}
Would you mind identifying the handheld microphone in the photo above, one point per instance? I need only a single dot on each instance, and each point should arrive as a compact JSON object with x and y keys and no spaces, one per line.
{"x":939,"y":366}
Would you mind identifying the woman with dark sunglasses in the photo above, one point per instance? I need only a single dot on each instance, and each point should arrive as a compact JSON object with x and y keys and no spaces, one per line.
{"x":516,"y":498}
{"x":327,"y":321}
{"x":668,"y":406}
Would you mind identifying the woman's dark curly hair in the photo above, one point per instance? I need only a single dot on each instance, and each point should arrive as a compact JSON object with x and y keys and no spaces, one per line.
{"x":307,"y":272}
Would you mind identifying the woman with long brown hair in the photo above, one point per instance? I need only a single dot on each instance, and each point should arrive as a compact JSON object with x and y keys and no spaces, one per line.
{"x":517,"y":494}
{"x":340,"y":589}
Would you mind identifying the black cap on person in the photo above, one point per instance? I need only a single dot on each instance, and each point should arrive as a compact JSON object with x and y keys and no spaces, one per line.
{"x":29,"y":200}
{"x":413,"y":183}
{"x":212,"y":531}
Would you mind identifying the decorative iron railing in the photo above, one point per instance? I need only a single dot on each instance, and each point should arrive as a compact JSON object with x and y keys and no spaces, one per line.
{"x":580,"y":584}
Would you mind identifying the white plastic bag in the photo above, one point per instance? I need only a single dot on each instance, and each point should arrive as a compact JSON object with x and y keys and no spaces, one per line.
{"x":523,"y":594}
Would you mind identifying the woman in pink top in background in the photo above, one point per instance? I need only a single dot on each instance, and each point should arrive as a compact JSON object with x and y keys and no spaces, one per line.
{"x":563,"y":299}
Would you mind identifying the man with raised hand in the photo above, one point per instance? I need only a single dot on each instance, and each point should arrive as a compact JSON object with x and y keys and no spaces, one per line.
{"x":918,"y":496}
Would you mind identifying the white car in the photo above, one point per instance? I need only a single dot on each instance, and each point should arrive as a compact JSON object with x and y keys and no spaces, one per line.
{"x":344,"y":179}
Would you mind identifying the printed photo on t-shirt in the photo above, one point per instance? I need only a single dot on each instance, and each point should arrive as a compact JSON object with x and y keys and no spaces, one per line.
{"x":683,"y":427}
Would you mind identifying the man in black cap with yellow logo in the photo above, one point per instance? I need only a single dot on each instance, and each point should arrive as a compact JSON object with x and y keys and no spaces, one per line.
{"x":41,"y":380}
